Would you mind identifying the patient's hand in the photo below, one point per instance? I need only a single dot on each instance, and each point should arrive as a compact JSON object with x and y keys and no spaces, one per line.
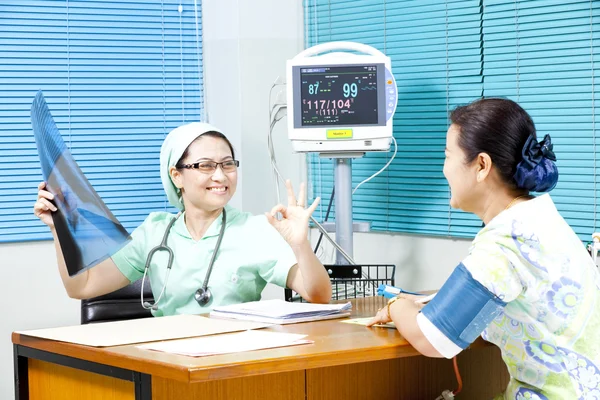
{"x":383,"y":316}
{"x":294,"y":224}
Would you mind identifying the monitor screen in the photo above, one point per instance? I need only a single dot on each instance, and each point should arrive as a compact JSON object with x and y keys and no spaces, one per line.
{"x":339,"y":96}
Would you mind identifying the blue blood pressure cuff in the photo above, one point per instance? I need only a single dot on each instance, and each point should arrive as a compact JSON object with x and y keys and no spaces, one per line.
{"x":463,"y":308}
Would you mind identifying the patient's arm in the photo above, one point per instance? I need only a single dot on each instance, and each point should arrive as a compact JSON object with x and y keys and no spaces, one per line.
{"x":404,"y":314}
{"x":403,"y":311}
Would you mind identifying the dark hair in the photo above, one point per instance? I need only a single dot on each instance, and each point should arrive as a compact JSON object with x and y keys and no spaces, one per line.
{"x":213,"y":134}
{"x":503,"y":129}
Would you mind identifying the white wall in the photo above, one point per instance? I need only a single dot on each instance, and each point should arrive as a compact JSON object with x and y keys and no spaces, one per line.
{"x":422,"y":263}
{"x":246,"y":44}
{"x":32,"y":297}
{"x":220,"y":36}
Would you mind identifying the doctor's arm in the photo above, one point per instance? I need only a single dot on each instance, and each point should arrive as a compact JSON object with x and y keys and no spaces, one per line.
{"x":102,"y":279}
{"x":308,"y":277}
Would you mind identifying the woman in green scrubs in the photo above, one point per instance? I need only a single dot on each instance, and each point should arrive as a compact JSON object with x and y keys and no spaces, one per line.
{"x":199,"y":175}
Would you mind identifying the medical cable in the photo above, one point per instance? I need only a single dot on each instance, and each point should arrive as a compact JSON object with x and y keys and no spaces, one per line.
{"x":276,"y":112}
{"x":281,"y":107}
{"x":278,"y":175}
{"x":279,"y":114}
{"x":451,"y":394}
{"x":326,"y":217}
{"x":382,"y":169}
{"x":458,"y":378}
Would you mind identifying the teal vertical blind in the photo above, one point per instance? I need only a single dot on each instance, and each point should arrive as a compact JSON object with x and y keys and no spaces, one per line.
{"x":117,"y":76}
{"x":543,"y":54}
{"x":437,"y":62}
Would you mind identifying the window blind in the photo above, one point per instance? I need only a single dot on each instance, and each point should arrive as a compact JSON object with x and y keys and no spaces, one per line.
{"x":436,"y":54}
{"x":543,"y":54}
{"x":117,"y":76}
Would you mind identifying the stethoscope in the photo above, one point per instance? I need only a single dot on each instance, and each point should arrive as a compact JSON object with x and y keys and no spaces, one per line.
{"x":203,"y":295}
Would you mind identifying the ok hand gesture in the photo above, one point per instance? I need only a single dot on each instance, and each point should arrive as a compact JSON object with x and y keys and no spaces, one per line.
{"x":294,"y":224}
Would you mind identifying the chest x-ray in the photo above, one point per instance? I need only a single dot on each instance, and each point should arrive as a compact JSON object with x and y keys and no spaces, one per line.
{"x":87,"y":230}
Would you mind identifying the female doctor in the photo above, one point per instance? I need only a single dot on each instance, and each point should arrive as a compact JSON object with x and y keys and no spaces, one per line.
{"x":220,"y":255}
{"x":528,"y":284}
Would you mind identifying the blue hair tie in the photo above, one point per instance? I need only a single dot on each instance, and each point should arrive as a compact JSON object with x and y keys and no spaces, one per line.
{"x":537,"y":171}
{"x":534,"y":152}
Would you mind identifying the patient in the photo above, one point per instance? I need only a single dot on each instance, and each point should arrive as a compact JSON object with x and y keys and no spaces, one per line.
{"x":528,"y":285}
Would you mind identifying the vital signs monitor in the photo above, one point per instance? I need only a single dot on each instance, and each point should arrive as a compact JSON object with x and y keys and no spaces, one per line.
{"x":340,"y":101}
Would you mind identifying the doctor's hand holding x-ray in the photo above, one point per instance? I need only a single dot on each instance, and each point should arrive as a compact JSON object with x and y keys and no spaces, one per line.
{"x":216,"y":247}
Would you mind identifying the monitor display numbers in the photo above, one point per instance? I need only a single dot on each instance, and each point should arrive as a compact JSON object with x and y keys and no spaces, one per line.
{"x":327,"y":107}
{"x":339,"y":95}
{"x":349,"y":89}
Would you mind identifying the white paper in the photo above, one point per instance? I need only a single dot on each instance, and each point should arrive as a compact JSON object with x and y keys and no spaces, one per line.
{"x":142,"y":330}
{"x":229,"y":343}
{"x":283,"y":309}
{"x":364,"y":321}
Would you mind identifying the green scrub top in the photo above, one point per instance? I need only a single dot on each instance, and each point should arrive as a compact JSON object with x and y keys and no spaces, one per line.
{"x":252,"y":253}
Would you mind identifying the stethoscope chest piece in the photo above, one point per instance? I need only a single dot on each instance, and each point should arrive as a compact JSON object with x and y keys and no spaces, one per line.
{"x":203,"y":296}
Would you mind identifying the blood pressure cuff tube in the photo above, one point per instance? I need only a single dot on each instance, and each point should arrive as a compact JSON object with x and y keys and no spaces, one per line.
{"x":462,"y":309}
{"x":390,"y":292}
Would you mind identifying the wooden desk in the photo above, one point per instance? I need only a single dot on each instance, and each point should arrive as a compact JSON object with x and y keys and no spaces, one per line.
{"x":346,"y":362}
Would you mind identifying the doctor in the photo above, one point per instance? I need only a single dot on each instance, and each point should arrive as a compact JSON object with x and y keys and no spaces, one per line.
{"x":528,"y":284}
{"x":220,"y":255}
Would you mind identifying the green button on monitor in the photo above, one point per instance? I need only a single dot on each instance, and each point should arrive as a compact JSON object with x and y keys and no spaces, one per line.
{"x":339,"y":133}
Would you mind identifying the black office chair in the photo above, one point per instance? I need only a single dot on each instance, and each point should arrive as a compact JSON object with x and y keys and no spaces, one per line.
{"x":119,"y":305}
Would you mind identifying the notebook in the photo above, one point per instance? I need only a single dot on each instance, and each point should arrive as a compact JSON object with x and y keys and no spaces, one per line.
{"x":282,"y":312}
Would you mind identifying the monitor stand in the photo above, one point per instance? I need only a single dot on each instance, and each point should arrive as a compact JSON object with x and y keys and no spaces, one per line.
{"x":344,"y":227}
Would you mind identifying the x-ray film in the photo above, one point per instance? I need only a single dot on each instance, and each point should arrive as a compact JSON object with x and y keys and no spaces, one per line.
{"x":87,"y":230}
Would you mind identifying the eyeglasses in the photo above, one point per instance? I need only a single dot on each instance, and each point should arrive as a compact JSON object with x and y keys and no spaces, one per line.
{"x":209,"y":167}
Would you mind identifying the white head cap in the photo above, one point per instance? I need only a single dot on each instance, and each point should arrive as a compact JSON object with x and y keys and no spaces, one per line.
{"x":171,"y":151}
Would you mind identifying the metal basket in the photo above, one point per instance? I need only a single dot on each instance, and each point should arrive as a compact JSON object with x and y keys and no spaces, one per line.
{"x":352,"y":281}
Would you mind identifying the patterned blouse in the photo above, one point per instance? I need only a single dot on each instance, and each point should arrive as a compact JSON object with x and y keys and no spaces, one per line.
{"x":549,"y":330}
